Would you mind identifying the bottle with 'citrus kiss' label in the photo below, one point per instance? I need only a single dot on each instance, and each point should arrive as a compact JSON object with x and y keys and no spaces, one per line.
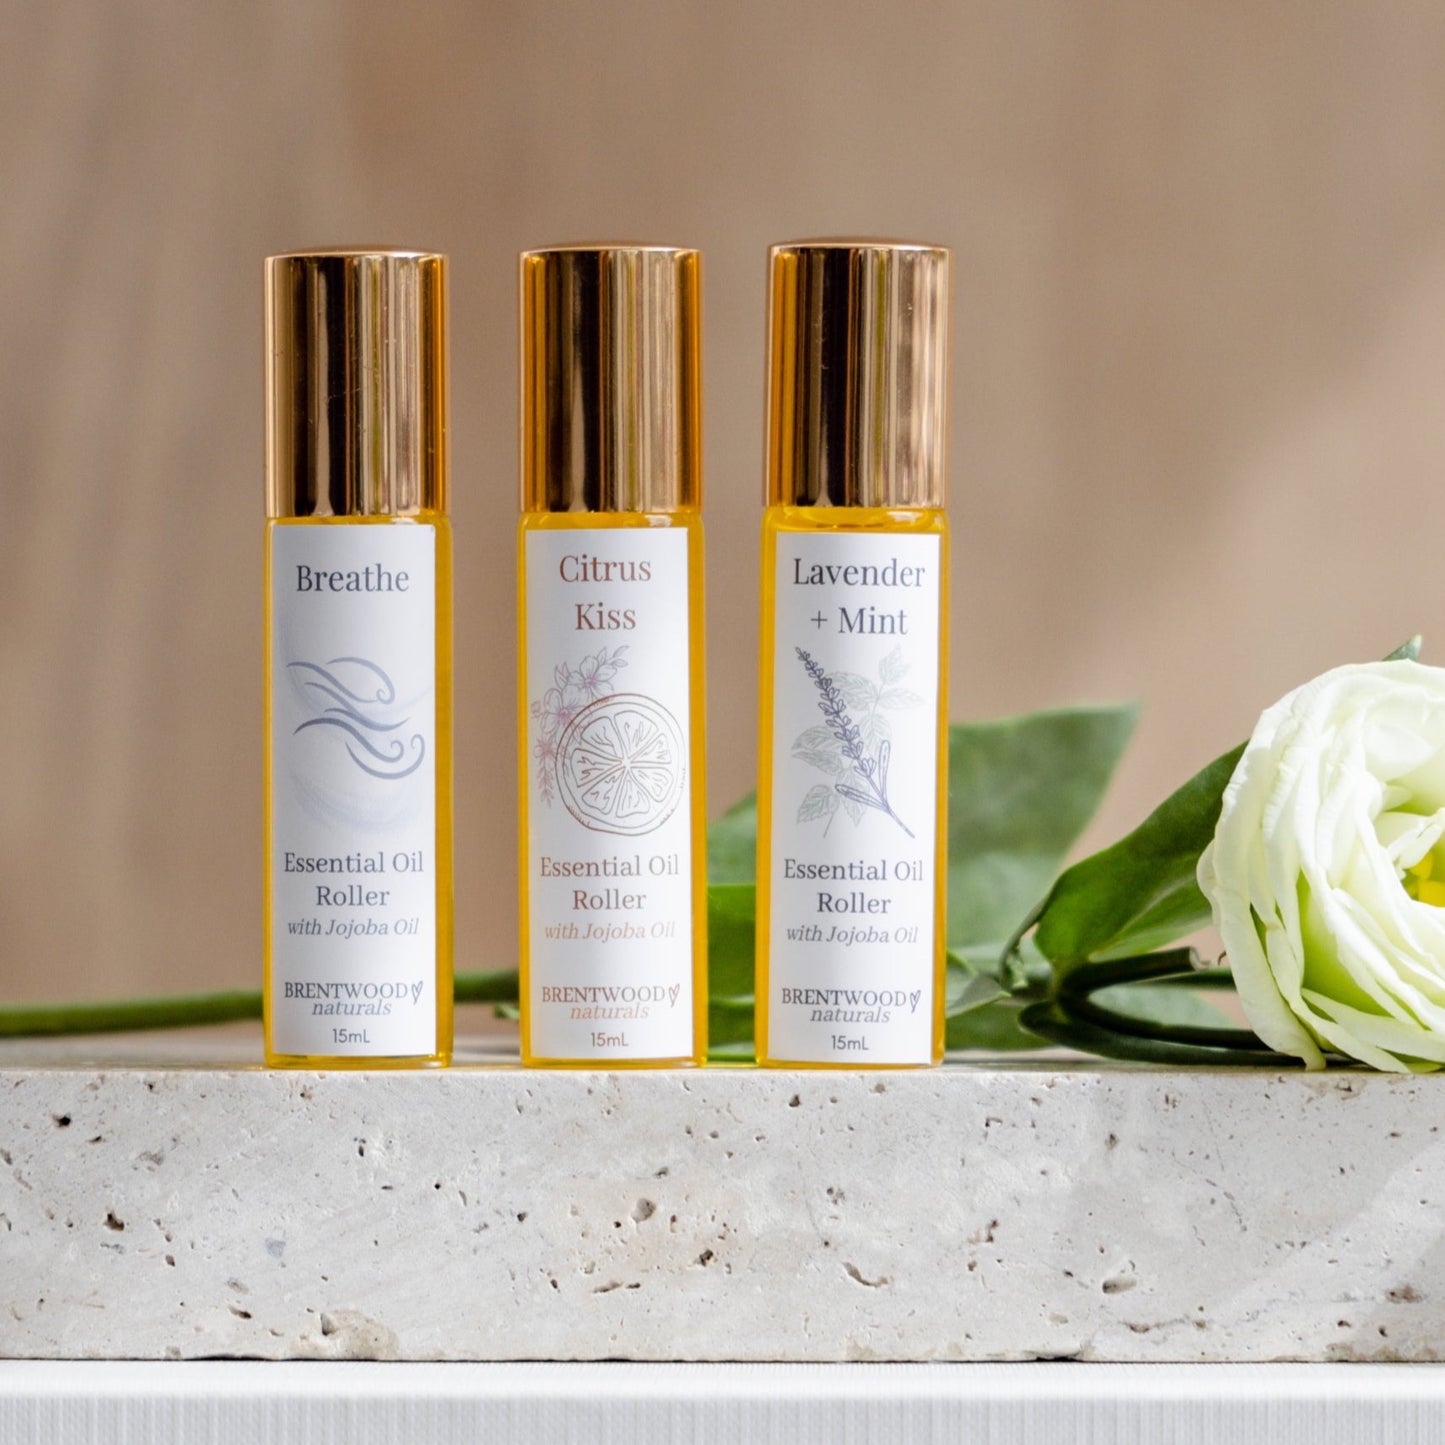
{"x":613,"y":852}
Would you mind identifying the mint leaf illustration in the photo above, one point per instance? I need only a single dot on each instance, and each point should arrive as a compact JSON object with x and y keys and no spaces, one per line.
{"x":856,"y":691}
{"x":898,"y":698}
{"x":893,"y":666}
{"x":820,"y":801}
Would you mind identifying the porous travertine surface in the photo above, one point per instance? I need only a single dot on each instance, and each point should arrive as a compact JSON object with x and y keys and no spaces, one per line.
{"x":976,"y":1212}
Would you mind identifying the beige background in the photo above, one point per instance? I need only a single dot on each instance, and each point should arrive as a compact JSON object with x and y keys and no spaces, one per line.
{"x":1199,"y":365}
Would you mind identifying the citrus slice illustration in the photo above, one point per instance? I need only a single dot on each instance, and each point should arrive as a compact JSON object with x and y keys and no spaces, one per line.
{"x":620,"y":764}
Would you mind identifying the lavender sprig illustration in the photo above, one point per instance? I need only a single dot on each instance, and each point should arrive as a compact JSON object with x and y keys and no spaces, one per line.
{"x":873,"y":770}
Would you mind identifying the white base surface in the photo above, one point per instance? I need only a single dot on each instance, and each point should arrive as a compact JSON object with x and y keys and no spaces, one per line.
{"x":243,"y":1403}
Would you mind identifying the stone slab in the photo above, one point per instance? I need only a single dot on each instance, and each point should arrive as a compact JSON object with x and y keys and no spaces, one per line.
{"x":983,"y":1211}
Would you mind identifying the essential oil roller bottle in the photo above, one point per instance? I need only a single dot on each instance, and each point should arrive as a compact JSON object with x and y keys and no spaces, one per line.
{"x":358,"y":662}
{"x":852,"y":784}
{"x":610,"y":689}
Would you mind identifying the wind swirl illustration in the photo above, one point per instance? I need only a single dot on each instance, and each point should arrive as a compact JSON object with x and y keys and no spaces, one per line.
{"x":350,"y":712}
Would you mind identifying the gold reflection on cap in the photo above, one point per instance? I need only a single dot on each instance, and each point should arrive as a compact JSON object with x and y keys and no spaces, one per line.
{"x":356,"y":384}
{"x":611,"y":418}
{"x":857,"y":374}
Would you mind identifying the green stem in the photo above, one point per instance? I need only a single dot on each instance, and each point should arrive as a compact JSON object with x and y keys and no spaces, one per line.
{"x":1011,"y":969}
{"x":123,"y":1015}
{"x":1075,"y":990}
{"x":181,"y":1011}
{"x":1050,"y":1022}
{"x":1072,"y":1018}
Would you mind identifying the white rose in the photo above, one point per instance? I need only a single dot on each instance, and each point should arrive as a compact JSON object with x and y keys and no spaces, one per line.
{"x":1327,"y":870}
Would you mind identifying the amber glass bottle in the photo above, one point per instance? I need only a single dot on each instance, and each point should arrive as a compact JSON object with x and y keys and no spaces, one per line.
{"x":852,"y":782}
{"x":358,"y":758}
{"x":613,"y":849}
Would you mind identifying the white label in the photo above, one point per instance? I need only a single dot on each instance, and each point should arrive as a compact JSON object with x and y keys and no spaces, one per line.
{"x":609,"y":815}
{"x":855,"y":774}
{"x":353,"y":790}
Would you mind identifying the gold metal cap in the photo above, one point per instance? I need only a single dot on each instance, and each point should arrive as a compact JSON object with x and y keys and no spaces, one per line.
{"x":611,"y":415}
{"x":356,"y":384}
{"x":857,"y":374}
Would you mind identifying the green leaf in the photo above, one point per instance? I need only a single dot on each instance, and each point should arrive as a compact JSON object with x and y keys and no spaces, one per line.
{"x":731,"y":929}
{"x":1157,"y":1004}
{"x":730,"y":1028}
{"x":731,"y":920}
{"x":732,"y":843}
{"x":1139,"y":893}
{"x":1020,"y":792}
{"x":980,"y":1013}
{"x":964,"y":990}
{"x":994,"y":1028}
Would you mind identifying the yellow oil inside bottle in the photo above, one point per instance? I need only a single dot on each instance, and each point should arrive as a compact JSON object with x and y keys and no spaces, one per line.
{"x":689,"y":520}
{"x":876,"y":521}
{"x":443,"y":764}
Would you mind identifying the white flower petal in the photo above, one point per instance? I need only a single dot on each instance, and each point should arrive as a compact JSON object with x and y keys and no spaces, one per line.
{"x":1340,"y":790}
{"x":1379,"y":1042}
{"x":1268,"y":1013}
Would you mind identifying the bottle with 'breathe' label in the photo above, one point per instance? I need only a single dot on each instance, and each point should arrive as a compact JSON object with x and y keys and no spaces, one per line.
{"x":358,"y":874}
